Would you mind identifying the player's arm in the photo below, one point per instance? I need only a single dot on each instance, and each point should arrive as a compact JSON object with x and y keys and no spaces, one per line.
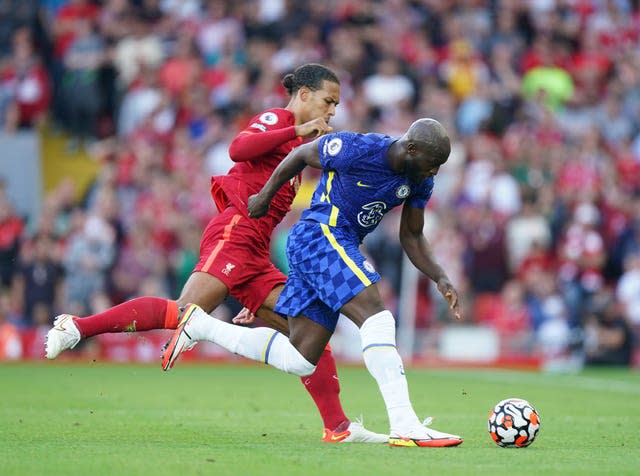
{"x":419,"y":252}
{"x":291,"y":165}
{"x":253,"y":142}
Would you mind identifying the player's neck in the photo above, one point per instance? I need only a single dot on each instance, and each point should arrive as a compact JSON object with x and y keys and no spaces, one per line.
{"x":393,"y":157}
{"x":293,"y":109}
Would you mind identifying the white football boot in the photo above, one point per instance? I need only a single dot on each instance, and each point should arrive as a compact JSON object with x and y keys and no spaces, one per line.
{"x":422,"y":436}
{"x":359,"y":434}
{"x":62,"y":336}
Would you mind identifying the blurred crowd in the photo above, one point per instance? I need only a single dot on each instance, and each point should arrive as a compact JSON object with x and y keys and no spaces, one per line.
{"x":536,"y":215}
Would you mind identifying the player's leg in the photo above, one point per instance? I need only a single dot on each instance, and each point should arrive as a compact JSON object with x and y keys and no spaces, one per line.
{"x":261,"y":344}
{"x":147,"y":312}
{"x":137,"y":315}
{"x":322,"y":385}
{"x":381,"y":357}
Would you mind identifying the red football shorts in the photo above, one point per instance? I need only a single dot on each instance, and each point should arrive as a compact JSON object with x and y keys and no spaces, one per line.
{"x":235,"y":249}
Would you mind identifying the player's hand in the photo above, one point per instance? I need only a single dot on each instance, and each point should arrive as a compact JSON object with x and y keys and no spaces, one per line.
{"x":257,"y":206}
{"x":244,"y":317}
{"x":451,"y":295}
{"x":314,"y":128}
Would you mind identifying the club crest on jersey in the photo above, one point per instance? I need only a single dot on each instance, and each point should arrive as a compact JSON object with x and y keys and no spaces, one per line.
{"x":371,"y":214}
{"x":403,"y":191}
{"x":269,"y":118}
{"x":333,"y":147}
{"x":368,"y":266}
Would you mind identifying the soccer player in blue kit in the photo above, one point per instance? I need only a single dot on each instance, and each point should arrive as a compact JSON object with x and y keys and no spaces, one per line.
{"x":364,"y":176}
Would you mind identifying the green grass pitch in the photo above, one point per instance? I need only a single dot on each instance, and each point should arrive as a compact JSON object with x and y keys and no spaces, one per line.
{"x":103,"y":419}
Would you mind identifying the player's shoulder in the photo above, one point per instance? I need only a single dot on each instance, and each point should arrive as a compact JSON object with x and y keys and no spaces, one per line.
{"x":270,"y":118}
{"x":369,"y":140}
{"x":357,"y":137}
{"x":425,"y":187}
{"x":351,"y":143}
{"x":427,"y":183}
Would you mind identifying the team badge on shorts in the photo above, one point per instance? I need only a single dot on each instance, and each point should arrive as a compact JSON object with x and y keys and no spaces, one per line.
{"x":368,"y":266}
{"x":269,"y":118}
{"x":403,"y":191}
{"x":228,"y":268}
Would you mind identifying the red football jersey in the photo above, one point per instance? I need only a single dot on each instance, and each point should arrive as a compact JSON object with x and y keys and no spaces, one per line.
{"x":258,"y":149}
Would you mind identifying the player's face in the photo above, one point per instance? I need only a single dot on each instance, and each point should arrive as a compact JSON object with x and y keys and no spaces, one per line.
{"x":322,"y":102}
{"x":419,"y":166}
{"x":421,"y":170}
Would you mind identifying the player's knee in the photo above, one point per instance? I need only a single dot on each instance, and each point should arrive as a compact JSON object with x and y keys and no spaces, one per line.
{"x":296,"y":364}
{"x":378,"y":329}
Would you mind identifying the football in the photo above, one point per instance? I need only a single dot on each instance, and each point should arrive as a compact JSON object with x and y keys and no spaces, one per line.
{"x":513,"y":423}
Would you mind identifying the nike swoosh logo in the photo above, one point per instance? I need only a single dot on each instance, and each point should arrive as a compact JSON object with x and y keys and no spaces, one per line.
{"x":340,"y":436}
{"x":360,"y":184}
{"x":61,"y":325}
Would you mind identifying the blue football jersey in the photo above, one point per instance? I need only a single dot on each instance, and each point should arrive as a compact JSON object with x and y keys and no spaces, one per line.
{"x":357,"y":186}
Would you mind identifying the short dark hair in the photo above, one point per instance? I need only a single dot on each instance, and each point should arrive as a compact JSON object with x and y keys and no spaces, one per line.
{"x":434,"y":137}
{"x":310,"y":75}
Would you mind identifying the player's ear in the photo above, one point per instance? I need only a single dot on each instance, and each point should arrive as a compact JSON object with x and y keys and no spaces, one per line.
{"x":304,"y":93}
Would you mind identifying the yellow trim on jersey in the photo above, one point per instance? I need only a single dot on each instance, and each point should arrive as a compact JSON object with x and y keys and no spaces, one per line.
{"x":333,"y":218}
{"x":330,"y":176}
{"x":343,"y":254}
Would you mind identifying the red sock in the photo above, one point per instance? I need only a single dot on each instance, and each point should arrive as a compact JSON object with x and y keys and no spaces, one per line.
{"x":324,"y":388}
{"x":139,"y":314}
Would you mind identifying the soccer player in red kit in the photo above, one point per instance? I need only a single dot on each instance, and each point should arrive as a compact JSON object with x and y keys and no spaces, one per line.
{"x":235,"y":249}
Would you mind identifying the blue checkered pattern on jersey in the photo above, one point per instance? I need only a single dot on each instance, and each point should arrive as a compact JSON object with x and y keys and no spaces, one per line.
{"x":322,"y":279}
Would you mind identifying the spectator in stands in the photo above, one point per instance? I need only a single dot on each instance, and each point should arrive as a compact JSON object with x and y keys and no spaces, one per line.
{"x":139,"y":50}
{"x":486,"y":258}
{"x":464,"y":71}
{"x":582,"y":257}
{"x":524,"y":229}
{"x":388,"y":87}
{"x":609,"y":337}
{"x":628,"y":289}
{"x":182,"y":68}
{"x":24,"y":85}
{"x":82,"y":91}
{"x":145,"y":101}
{"x":39,"y":279}
{"x":553,"y":337}
{"x":10,"y":341}
{"x":548,"y":81}
{"x":186,"y":255}
{"x":140,"y":258}
{"x":88,"y":257}
{"x":507,"y":312}
{"x":219,"y":34}
{"x":11,"y":228}
{"x":63,"y":27}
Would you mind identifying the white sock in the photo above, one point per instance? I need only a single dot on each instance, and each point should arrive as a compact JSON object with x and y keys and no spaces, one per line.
{"x":261,"y":343}
{"x":378,"y":334}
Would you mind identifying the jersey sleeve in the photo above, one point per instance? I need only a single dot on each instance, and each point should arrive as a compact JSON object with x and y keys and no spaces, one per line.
{"x":336,"y":150}
{"x":422,"y":195}
{"x":264,"y":133}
